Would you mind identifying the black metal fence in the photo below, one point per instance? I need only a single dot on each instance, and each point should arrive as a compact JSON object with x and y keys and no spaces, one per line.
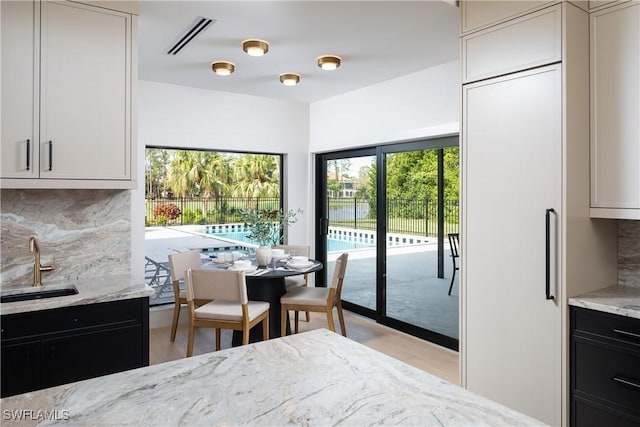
{"x":417,"y":217}
{"x":191,"y":210}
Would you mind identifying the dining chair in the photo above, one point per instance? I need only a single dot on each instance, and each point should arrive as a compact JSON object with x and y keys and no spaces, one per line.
{"x":454,"y":245}
{"x":178,"y":264}
{"x":296,"y":281}
{"x":229,"y":306}
{"x":321,"y":300}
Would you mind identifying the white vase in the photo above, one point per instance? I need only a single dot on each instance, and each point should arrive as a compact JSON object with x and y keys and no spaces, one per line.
{"x":263,"y":255}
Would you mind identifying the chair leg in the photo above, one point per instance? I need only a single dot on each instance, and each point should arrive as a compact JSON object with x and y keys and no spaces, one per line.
{"x":192,"y":332}
{"x":265,"y":328}
{"x":453,"y":276}
{"x":283,"y":321}
{"x":218,"y":339}
{"x":341,"y":318}
{"x":332,"y":326}
{"x":308,"y":318}
{"x":297,"y":318}
{"x":245,"y":336}
{"x":174,"y":325}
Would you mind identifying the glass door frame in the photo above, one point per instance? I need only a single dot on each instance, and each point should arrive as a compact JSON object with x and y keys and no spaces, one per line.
{"x":379,"y":314}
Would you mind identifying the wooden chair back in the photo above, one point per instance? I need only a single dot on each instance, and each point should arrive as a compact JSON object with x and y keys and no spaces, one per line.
{"x":337,"y":278}
{"x":221,"y":285}
{"x":181,"y":262}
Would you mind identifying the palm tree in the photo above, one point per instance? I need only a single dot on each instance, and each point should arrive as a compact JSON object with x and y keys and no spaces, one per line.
{"x":256,"y":176}
{"x":178,"y":179}
{"x":201,"y":174}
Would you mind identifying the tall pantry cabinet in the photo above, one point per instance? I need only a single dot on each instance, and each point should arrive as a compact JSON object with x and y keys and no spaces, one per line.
{"x":528,"y":243}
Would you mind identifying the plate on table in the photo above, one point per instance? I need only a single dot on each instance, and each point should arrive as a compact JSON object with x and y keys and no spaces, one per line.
{"x":300,"y":266}
{"x":280,"y":257}
{"x":248,"y":268}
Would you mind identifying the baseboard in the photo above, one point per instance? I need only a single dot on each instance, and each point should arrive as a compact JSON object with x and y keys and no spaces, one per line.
{"x":162,"y":315}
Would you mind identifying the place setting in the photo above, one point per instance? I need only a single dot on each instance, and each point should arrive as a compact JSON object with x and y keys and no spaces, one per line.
{"x":298,"y":263}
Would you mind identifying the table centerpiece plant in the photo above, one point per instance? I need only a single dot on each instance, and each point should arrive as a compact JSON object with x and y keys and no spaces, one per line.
{"x":264,"y":229}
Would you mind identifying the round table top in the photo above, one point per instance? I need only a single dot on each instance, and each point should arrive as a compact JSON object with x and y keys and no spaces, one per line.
{"x":281,"y":269}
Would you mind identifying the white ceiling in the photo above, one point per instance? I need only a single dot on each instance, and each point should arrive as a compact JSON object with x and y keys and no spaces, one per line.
{"x":377,"y":40}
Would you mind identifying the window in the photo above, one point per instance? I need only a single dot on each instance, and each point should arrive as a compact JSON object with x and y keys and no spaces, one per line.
{"x":195,"y":199}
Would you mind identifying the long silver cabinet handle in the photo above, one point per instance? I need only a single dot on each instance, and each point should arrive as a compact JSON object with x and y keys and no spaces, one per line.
{"x":627,"y":333}
{"x":627,"y":381}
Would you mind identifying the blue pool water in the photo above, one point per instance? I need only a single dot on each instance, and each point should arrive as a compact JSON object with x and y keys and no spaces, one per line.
{"x":334,"y":243}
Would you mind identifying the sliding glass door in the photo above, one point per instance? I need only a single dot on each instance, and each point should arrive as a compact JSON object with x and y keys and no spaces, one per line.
{"x":392,"y":208}
{"x":348,"y":223}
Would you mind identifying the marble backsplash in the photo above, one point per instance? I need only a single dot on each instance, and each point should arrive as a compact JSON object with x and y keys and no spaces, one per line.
{"x":87,"y":231}
{"x":629,"y":253}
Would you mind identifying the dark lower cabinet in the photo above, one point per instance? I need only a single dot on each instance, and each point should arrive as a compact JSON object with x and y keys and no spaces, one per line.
{"x":20,"y":370}
{"x":605,"y":369}
{"x":46,"y":348}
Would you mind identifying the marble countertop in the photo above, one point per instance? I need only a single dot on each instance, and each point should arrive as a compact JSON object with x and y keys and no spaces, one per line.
{"x":314,"y":378}
{"x":621,"y":300}
{"x":90,"y":291}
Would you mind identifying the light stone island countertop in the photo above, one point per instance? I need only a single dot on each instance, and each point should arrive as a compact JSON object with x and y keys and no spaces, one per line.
{"x":620,"y":300}
{"x":90,"y":291}
{"x":316,"y":378}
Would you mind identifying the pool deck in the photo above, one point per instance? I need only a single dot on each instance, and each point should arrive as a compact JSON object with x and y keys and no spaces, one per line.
{"x":414,"y":292}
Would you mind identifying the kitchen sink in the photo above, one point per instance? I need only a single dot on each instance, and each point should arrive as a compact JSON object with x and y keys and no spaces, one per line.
{"x":40,"y":292}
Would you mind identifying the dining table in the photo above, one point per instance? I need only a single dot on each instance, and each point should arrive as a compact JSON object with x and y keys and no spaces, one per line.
{"x":267,"y":284}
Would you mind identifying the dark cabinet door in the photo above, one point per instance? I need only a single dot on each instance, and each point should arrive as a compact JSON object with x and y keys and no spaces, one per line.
{"x":20,"y":368}
{"x":92,"y":354}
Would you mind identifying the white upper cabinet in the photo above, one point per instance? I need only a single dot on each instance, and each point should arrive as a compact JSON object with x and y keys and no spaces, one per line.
{"x":83,"y":130}
{"x":477,"y":14}
{"x":529,"y":41}
{"x":19,"y":89}
{"x":593,"y":4}
{"x":615,"y":112}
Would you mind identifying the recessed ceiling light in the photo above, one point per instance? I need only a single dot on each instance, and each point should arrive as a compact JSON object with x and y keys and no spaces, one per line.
{"x":255,"y":47}
{"x":289,"y":79}
{"x":223,"y":68}
{"x":329,"y":62}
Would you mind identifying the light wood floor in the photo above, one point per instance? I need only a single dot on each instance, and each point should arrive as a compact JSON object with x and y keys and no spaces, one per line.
{"x":423,"y":355}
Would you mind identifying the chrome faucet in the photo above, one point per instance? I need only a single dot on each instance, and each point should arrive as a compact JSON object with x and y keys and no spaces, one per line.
{"x":37,"y":267}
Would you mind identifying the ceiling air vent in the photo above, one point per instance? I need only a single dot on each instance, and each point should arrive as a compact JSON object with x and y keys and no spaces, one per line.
{"x":197,"y":27}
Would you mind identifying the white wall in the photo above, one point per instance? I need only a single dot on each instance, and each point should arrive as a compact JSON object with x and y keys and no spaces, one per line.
{"x":419,"y":105}
{"x":178,"y":116}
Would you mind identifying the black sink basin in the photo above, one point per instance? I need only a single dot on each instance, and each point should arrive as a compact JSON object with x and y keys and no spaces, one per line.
{"x":38,"y":293}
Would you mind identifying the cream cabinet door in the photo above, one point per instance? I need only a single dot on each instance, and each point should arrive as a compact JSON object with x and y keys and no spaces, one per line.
{"x":85,"y":128}
{"x":512,"y":173}
{"x":476,"y":14}
{"x":526,"y":42}
{"x":19,"y":90}
{"x":615,"y":112}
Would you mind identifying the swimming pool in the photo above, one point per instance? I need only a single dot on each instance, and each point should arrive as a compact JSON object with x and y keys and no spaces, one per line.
{"x":334,"y":242}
